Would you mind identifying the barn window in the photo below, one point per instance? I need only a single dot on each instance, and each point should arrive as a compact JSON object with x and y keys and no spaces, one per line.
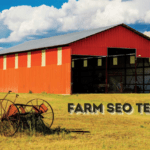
{"x":132,"y":59}
{"x":43,"y":58}
{"x":59,"y":56}
{"x":99,"y":63}
{"x":4,"y":62}
{"x":16,"y":61}
{"x":29,"y":59}
{"x":85,"y":63}
{"x":115,"y":61}
{"x":72,"y":63}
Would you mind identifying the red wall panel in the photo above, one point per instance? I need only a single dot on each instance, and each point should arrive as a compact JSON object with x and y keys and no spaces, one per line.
{"x":1,"y":62}
{"x":22,"y":59}
{"x":118,"y":37}
{"x":36,"y":58}
{"x":10,"y":61}
{"x":51,"y":56}
{"x":50,"y":78}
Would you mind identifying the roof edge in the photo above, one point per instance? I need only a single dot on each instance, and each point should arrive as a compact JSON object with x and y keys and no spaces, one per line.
{"x":135,"y":31}
{"x":75,"y":40}
{"x":121,"y":24}
{"x":40,"y":48}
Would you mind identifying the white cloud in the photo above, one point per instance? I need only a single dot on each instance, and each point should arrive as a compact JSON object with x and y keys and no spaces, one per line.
{"x":25,"y":21}
{"x":1,"y":48}
{"x":147,"y":33}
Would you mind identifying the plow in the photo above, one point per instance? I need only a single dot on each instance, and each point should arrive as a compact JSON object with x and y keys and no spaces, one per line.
{"x":36,"y":113}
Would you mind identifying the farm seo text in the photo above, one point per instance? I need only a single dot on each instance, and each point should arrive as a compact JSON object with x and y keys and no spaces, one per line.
{"x":111,"y":108}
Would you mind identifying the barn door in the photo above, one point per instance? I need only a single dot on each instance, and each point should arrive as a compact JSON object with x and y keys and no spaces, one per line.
{"x":115,"y":83}
{"x":134,"y":75}
{"x":116,"y":74}
{"x":146,"y":77}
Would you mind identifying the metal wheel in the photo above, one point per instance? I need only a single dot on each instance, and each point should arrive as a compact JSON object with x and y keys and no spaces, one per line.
{"x":46,"y":115}
{"x":9,"y":118}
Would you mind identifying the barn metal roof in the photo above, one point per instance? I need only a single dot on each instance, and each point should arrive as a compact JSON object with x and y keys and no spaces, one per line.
{"x":62,"y":40}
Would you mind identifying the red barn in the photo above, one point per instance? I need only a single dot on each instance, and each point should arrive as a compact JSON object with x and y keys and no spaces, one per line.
{"x":110,"y":59}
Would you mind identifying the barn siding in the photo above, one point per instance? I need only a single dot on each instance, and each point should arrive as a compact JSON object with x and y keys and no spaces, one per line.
{"x":50,"y":78}
{"x":118,"y":37}
{"x":54,"y":78}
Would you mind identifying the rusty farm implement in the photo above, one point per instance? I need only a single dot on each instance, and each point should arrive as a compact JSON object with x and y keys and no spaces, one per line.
{"x":36,"y":113}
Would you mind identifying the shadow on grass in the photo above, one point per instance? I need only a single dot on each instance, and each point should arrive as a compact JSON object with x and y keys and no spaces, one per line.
{"x":30,"y":126}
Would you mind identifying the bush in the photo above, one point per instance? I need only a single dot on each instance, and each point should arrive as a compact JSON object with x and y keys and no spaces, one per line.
{"x":30,"y":92}
{"x":44,"y":93}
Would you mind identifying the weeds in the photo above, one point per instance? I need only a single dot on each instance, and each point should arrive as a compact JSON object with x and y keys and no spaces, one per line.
{"x":30,"y":92}
{"x":142,"y":126}
{"x":31,"y":125}
{"x":43,"y":93}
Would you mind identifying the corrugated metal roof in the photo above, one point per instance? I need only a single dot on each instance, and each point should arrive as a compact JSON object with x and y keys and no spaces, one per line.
{"x":61,"y":40}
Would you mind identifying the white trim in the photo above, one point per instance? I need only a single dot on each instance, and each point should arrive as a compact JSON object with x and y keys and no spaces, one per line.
{"x":16,"y":61}
{"x":43,"y":63}
{"x":85,"y":63}
{"x":59,"y":56}
{"x":4,"y":62}
{"x":29,"y":60}
{"x":132,"y":59}
{"x":72,"y":63}
{"x":115,"y":61}
{"x":99,"y":62}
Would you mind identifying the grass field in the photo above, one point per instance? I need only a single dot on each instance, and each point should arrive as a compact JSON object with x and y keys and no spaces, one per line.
{"x":107,"y":131}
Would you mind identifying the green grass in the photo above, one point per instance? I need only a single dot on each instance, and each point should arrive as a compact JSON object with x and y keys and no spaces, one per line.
{"x":107,"y":131}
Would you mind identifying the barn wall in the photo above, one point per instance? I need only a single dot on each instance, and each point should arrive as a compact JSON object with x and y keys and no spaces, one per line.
{"x":118,"y":37}
{"x":51,"y":78}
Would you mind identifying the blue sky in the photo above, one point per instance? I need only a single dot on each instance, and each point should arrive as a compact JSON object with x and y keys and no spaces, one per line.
{"x":26,"y":20}
{"x":9,"y":3}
